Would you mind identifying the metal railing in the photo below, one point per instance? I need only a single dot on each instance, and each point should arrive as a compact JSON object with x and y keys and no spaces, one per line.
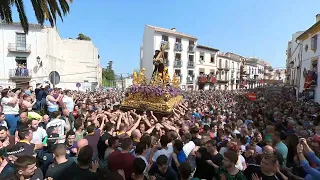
{"x":178,"y":46}
{"x":190,"y":80}
{"x":190,"y":64}
{"x":20,"y":73}
{"x":177,"y":63}
{"x":19,"y":47}
{"x":191,"y":48}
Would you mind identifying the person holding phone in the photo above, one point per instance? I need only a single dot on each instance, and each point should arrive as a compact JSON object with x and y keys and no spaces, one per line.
{"x":304,"y":149}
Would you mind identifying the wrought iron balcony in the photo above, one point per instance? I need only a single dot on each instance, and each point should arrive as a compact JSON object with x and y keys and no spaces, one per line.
{"x":190,"y":64}
{"x":178,"y":46}
{"x":191,"y":48}
{"x":190,"y":79}
{"x":12,"y":47}
{"x":20,"y":73}
{"x":177,"y":63}
{"x":166,"y":44}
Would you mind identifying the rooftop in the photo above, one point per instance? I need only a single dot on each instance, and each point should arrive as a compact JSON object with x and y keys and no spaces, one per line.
{"x":169,"y":31}
{"x":207,"y":48}
{"x":312,"y":30}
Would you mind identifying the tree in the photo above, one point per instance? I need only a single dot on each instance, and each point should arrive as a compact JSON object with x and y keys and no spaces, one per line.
{"x":108,"y":77}
{"x":83,"y":37}
{"x":43,"y":10}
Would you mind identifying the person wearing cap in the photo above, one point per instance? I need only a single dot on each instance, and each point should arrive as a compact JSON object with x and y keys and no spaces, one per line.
{"x":47,"y":158}
{"x":8,"y":158}
{"x":59,"y":123}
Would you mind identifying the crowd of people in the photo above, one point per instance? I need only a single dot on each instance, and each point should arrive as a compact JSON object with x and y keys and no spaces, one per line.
{"x":69,"y":135}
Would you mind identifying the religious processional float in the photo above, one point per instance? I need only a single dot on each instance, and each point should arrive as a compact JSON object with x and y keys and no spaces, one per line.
{"x":161,"y":95}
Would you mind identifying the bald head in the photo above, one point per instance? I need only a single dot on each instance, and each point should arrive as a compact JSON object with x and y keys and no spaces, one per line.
{"x":81,"y":143}
{"x":136,"y":134}
{"x":268,"y":149}
{"x":46,"y":118}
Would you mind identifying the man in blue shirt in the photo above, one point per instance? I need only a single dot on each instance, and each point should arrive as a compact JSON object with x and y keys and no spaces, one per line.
{"x":178,"y":155}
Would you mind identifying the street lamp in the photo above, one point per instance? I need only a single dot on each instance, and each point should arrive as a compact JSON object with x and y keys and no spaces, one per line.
{"x":39,"y":61}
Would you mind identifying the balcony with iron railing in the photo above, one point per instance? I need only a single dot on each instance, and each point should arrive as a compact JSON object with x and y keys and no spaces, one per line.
{"x":26,"y":48}
{"x":20,"y":73}
{"x":191,"y":48}
{"x":177,"y":63}
{"x":190,"y":79}
{"x":178,"y":46}
{"x":190,"y":64}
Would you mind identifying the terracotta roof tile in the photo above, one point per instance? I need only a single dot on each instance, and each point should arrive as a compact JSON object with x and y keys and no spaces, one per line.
{"x":164,"y":30}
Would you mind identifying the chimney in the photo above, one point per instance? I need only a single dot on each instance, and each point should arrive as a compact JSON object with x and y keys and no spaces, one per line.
{"x":174,"y":29}
{"x":317,"y":18}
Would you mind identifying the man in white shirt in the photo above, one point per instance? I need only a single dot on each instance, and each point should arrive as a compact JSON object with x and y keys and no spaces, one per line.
{"x":59,"y":123}
{"x":68,"y":101}
{"x":38,"y":132}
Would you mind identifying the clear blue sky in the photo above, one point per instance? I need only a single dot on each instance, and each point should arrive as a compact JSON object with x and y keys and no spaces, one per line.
{"x":247,"y":27}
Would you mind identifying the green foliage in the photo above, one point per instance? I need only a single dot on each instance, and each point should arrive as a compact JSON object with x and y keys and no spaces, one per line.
{"x":44,"y":10}
{"x":83,"y":37}
{"x":108,"y":77}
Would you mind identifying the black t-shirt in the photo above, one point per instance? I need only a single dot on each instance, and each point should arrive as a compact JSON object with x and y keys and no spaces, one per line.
{"x":197,"y":141}
{"x":249,"y":160}
{"x":204,"y":170}
{"x":255,"y":169}
{"x":169,"y":174}
{"x":77,"y":173}
{"x":102,"y":144}
{"x":58,"y":171}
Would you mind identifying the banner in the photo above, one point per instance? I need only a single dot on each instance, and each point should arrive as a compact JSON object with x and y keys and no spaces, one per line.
{"x":252,"y":96}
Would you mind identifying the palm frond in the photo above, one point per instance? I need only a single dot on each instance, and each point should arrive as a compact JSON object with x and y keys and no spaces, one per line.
{"x":38,"y":11}
{"x":64,"y":4}
{"x":56,"y":8}
{"x":22,"y":15}
{"x":5,"y":11}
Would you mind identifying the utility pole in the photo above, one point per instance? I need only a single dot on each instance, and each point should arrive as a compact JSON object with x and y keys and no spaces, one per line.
{"x":122,"y":84}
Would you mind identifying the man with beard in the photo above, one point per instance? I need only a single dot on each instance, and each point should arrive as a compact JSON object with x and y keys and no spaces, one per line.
{"x":38,"y":132}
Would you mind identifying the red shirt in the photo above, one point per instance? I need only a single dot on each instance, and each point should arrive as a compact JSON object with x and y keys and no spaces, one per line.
{"x":118,"y":160}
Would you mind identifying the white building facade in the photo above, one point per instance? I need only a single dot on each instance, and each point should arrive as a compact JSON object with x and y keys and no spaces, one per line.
{"x":28,"y":59}
{"x":294,"y":52}
{"x":206,"y":67}
{"x":179,"y":57}
{"x":308,"y":43}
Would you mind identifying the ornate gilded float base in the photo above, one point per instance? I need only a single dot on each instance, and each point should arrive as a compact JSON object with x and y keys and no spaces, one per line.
{"x":156,"y":104}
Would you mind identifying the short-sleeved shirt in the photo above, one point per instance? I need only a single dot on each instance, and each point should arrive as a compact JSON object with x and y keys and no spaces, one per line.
{"x":93,"y":140}
{"x":27,"y":146}
{"x":9,"y":109}
{"x":38,"y":135}
{"x":61,"y":124}
{"x":118,"y":160}
{"x":69,"y":149}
